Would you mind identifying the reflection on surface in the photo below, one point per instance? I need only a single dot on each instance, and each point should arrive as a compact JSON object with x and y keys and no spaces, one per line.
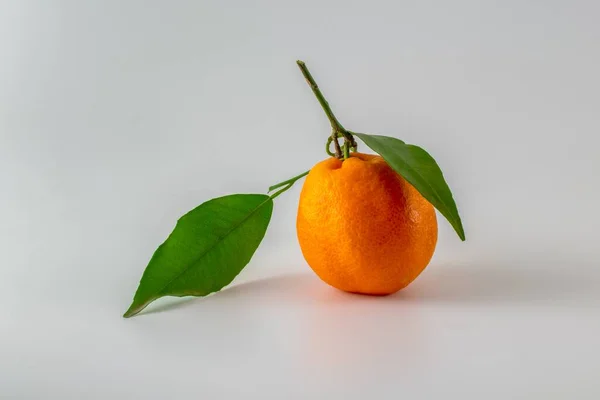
{"x":453,"y":313}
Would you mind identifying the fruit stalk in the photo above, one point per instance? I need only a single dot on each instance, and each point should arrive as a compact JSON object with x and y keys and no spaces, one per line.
{"x":336,"y":126}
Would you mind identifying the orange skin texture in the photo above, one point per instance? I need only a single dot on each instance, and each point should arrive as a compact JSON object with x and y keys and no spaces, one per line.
{"x":362,"y":228}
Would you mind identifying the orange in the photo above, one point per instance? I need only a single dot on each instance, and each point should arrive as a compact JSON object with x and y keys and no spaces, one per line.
{"x":362,"y":228}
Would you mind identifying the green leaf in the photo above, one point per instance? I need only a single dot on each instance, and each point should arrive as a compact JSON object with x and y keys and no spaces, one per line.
{"x":416,"y":166}
{"x":208,"y":248}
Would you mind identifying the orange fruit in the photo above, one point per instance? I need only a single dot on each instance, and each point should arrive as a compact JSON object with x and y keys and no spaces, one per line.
{"x":362,"y":228}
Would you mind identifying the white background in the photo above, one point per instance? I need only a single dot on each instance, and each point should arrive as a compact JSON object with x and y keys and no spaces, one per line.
{"x":116,"y":117}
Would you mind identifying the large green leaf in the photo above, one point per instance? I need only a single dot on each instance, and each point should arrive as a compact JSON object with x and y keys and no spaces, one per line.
{"x":416,"y":166}
{"x":209,"y":246}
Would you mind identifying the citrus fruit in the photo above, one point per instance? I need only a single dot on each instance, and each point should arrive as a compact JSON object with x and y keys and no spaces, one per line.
{"x":362,"y":228}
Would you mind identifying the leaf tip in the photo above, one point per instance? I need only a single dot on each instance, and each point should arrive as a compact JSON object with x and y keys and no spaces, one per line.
{"x":461,"y":232}
{"x":132,"y":311}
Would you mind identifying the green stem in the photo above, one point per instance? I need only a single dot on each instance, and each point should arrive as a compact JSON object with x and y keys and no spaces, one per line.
{"x":329,"y":140}
{"x":335,"y":124}
{"x":289,"y":182}
{"x":285,"y":189}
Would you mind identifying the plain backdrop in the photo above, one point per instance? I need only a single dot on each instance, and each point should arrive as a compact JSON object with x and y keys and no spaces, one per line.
{"x":117,"y":117}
